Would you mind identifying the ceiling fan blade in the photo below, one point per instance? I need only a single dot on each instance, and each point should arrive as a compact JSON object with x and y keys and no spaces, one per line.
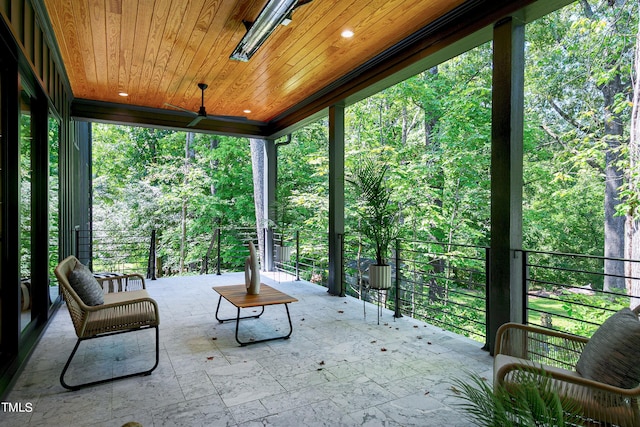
{"x":196,"y":121}
{"x":179,"y":108}
{"x":221,"y":117}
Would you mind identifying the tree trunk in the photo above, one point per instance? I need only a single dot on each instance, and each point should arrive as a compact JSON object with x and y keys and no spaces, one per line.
{"x":257,"y":163}
{"x":632,"y":225}
{"x":613,"y":225}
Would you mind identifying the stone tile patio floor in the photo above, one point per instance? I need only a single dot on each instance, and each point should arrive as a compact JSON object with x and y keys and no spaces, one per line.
{"x":337,"y":369}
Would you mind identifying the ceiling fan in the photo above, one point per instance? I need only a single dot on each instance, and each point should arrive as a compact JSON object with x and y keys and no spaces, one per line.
{"x":202,"y":112}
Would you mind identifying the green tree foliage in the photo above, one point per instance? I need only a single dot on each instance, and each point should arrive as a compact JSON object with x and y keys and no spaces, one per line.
{"x":434,"y":132}
{"x":578,"y":86}
{"x":303,"y":170}
{"x":143,"y":176}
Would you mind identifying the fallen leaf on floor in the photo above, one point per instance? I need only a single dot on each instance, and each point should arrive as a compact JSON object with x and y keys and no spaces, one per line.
{"x":319,"y":369}
{"x":426,"y":392}
{"x":429,"y":342}
{"x":386,"y":324}
{"x":415,"y":326}
{"x":214,"y":338}
{"x":321,"y":363}
{"x":302,"y":320}
{"x":340,"y":311}
{"x":374,"y":341}
{"x":383,"y":349}
{"x":210,"y":358}
{"x":419,"y":337}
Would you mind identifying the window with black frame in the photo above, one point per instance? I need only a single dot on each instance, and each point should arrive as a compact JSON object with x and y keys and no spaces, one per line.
{"x":26,"y":169}
{"x":54,"y":203}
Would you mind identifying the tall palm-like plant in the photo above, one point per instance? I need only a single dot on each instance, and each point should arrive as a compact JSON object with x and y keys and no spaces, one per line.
{"x":378,"y":214}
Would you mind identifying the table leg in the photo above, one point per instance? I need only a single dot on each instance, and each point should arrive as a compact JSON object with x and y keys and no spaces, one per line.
{"x":238,"y":317}
{"x":283,"y":337}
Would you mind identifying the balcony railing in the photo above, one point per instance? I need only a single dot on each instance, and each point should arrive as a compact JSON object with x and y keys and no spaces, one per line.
{"x":442,"y":284}
{"x":113,"y":250}
{"x":565,"y":291}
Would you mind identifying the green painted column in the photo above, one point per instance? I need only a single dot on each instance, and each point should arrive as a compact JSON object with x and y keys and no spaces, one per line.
{"x":336,"y":198}
{"x":271,"y":184}
{"x":505,"y":299}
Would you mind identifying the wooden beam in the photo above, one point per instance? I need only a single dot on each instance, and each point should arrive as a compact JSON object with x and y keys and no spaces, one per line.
{"x":105,"y":112}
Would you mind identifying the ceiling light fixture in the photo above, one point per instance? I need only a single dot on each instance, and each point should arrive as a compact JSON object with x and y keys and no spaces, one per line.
{"x":274,"y":13}
{"x":123,"y":94}
{"x":347,"y":34}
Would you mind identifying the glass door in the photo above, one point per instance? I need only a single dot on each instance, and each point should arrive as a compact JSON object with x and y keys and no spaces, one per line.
{"x":26,"y":169}
{"x":54,"y":203}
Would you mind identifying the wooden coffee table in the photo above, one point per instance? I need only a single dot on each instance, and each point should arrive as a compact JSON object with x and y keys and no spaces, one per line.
{"x":237,"y":295}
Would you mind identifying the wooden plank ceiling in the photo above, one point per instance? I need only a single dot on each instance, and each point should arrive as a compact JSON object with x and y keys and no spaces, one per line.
{"x":157,"y":51}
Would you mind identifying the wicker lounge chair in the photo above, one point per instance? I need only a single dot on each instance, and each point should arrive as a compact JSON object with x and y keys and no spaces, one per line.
{"x":129,"y":310}
{"x":529,"y":352}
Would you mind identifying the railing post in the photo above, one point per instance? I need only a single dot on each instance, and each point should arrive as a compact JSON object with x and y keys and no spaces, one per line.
{"x":341,"y":266}
{"x":525,"y":286}
{"x":151,"y":261}
{"x":487,"y":282}
{"x":297,"y":255}
{"x":397,"y":314}
{"x":76,"y":232}
{"x":218,"y":249}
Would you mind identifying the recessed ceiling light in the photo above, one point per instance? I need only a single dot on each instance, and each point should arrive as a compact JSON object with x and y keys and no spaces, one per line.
{"x":347,"y":34}
{"x":246,"y":111}
{"x":123,"y":94}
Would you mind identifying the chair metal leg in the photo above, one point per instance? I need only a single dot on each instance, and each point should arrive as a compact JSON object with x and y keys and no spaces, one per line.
{"x":88,"y":384}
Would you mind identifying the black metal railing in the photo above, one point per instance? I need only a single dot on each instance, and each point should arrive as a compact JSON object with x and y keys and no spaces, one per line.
{"x":569,"y":292}
{"x":127,"y":252}
{"x":446,"y":284}
{"x":114,"y":250}
{"x":231,"y":250}
{"x":306,"y":257}
{"x":442,"y":284}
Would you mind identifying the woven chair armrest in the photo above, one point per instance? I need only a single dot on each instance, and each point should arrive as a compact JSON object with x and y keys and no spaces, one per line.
{"x":122,"y":314}
{"x":507,"y":327}
{"x":541,"y":345}
{"x":128,"y":302}
{"x":577,"y":380}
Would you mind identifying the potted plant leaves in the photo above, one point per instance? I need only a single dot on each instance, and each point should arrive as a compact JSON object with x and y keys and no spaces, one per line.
{"x":534,"y":402}
{"x":378,"y":215}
